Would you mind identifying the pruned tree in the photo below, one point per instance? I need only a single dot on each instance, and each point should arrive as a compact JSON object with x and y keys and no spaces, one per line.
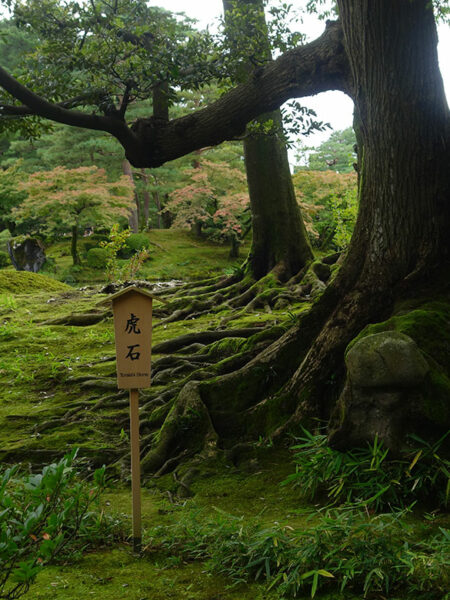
{"x":383,"y":55}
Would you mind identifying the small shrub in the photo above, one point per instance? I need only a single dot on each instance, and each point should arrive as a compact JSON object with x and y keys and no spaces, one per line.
{"x":45,"y":516}
{"x":4,"y":259}
{"x":49,"y":266}
{"x":115,"y":246}
{"x":88,"y":245}
{"x":134,"y":243}
{"x":5,"y":235}
{"x":97,"y":258}
{"x":369,"y":475}
{"x":96,"y":238}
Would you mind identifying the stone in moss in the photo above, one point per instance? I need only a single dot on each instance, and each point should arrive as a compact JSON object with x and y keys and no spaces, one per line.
{"x":26,"y":253}
{"x":392,"y":396}
{"x":384,"y":359}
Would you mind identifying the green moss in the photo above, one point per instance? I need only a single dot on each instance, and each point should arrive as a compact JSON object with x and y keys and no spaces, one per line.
{"x":226,"y":347}
{"x":116,"y":574}
{"x":428,"y":326}
{"x":23,"y":282}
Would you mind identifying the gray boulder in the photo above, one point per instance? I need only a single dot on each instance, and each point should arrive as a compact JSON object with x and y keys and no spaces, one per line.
{"x":387,"y":359}
{"x":383,"y":396}
{"x":27,"y":254}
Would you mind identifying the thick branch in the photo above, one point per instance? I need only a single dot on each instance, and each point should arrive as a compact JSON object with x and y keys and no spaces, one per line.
{"x":43,"y":108}
{"x":316,"y":67}
{"x":10,"y":110}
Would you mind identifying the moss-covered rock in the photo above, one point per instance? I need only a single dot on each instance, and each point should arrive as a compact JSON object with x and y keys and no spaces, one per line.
{"x":389,"y":358}
{"x":398,"y":380}
{"x":27,"y":253}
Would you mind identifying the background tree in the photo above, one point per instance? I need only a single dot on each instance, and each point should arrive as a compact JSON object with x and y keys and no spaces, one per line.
{"x":214,"y":199}
{"x":327,"y":192}
{"x":280,"y":243}
{"x":10,"y":196}
{"x":337,"y":153}
{"x":67,"y":200}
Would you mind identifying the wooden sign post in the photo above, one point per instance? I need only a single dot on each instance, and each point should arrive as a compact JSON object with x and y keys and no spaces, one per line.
{"x":132,"y":309}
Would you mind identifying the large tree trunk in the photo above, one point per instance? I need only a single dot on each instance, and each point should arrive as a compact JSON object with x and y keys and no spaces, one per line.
{"x":400,"y":246}
{"x":280,"y":242}
{"x":400,"y":249}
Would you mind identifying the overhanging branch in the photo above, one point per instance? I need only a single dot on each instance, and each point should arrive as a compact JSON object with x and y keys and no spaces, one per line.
{"x":317,"y":67}
{"x":10,"y":110}
{"x":57,"y":112}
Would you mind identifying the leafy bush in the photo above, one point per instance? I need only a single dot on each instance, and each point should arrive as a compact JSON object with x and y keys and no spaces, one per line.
{"x":88,"y":245}
{"x":97,"y":258}
{"x":44,"y":516}
{"x":116,"y":245}
{"x":96,"y":238}
{"x":341,"y":549}
{"x":370,"y":475}
{"x":4,"y":259}
{"x":344,"y":211}
{"x":134,"y":243}
{"x":49,"y":266}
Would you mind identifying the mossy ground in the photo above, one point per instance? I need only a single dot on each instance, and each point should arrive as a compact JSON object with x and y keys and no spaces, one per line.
{"x":174,"y":254}
{"x":48,"y":370}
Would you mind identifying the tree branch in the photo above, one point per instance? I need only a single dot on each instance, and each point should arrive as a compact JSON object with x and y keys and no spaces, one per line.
{"x":317,"y":67}
{"x":43,"y":108}
{"x":10,"y":110}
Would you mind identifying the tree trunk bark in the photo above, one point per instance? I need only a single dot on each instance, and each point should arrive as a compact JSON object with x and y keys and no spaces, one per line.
{"x":133,"y":219}
{"x":280,"y":242}
{"x":73,"y":246}
{"x":400,"y":247}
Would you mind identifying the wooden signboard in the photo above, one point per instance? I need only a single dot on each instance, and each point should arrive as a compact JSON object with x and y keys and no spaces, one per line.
{"x":133,"y":332}
{"x":132,"y":309}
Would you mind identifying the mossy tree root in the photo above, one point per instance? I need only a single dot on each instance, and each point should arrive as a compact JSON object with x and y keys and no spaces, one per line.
{"x":246,"y":292}
{"x":186,"y":429}
{"x":260,"y":396}
{"x":80,"y":319}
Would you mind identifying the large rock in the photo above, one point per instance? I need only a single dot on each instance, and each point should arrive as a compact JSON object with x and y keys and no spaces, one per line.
{"x":391,"y":390}
{"x":387,"y":359}
{"x":27,"y":254}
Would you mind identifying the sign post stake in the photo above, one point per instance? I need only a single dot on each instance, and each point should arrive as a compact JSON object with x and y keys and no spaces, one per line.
{"x":132,"y":309}
{"x":135,"y":470}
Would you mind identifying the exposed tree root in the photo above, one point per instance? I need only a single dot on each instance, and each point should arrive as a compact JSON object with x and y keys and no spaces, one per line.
{"x":296,"y":379}
{"x":203,"y":337}
{"x":80,"y":319}
{"x":222,"y":387}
